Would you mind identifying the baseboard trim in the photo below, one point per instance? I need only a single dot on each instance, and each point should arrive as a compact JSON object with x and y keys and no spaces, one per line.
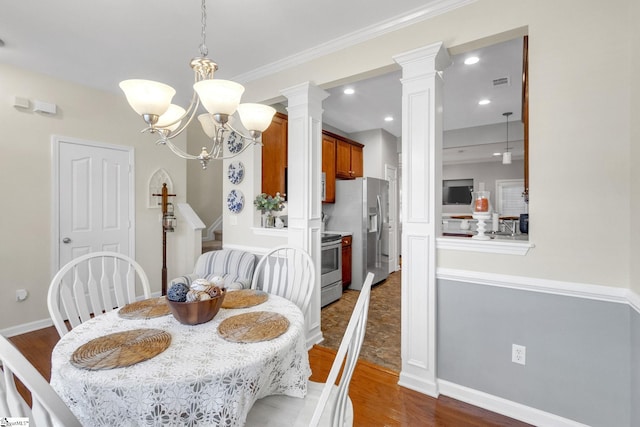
{"x":504,"y":407}
{"x":26,"y":327}
{"x":418,"y":384}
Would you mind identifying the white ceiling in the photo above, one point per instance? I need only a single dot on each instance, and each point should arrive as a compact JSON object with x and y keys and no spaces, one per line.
{"x":101,"y":42}
{"x":465,"y":85}
{"x":98,"y":43}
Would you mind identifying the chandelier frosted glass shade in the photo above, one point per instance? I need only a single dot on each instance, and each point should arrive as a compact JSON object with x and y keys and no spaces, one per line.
{"x":219,"y":96}
{"x":256,"y":117}
{"x":208,"y":124}
{"x":147,"y":97}
{"x":171,"y":119}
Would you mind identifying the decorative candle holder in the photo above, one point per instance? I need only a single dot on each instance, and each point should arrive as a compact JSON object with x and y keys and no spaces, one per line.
{"x":481,"y":208}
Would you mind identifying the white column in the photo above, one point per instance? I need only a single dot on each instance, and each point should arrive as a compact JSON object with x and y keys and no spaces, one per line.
{"x":304,"y":184}
{"x":421,"y":193}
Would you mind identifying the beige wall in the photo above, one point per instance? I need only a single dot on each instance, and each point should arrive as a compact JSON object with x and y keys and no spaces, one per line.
{"x":380,"y":150}
{"x":634,"y":92}
{"x":25,"y":174}
{"x":580,"y":79}
{"x":204,"y":187}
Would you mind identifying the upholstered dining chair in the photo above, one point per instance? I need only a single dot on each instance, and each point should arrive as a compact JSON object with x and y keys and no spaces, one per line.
{"x":92,"y":284}
{"x":325,"y":403}
{"x":47,"y":409}
{"x":233,"y":265}
{"x":288,"y":272}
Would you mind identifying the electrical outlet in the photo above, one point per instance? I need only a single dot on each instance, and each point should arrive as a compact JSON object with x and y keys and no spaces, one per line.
{"x":518,"y":354}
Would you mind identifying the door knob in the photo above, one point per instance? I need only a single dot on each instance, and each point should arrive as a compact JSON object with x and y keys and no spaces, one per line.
{"x":66,"y":240}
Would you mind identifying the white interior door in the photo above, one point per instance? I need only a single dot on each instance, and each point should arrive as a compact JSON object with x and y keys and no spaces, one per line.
{"x":94,"y":198}
{"x":391,"y":175}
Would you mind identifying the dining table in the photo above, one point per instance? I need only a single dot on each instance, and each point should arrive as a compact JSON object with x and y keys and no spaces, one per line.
{"x":200,"y":376}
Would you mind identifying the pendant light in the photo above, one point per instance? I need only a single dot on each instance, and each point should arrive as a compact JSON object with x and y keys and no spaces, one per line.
{"x":506,"y":156}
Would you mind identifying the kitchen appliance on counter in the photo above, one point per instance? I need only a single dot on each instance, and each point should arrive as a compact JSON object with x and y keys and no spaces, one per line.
{"x":331,"y":273}
{"x":362,"y":208}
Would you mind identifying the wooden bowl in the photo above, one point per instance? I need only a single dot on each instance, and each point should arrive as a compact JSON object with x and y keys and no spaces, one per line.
{"x":194,"y":313}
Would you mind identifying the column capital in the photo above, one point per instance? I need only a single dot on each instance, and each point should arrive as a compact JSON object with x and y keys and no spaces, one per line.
{"x":433,"y":57}
{"x":304,"y":95}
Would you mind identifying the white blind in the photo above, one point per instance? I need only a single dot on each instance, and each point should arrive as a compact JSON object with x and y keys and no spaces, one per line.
{"x":509,"y":197}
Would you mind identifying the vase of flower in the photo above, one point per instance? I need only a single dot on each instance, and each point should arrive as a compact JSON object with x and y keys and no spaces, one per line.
{"x":268,"y":220}
{"x":267,"y":205}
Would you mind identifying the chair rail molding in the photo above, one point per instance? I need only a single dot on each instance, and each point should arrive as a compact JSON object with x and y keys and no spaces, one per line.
{"x":555,"y":287}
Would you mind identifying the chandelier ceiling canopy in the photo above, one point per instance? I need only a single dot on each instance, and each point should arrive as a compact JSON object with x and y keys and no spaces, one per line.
{"x":221,"y":98}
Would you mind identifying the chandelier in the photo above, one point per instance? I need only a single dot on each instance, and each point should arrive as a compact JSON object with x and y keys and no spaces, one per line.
{"x":221,"y":99}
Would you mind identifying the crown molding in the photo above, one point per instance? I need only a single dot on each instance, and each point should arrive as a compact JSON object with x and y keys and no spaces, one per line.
{"x":433,"y":9}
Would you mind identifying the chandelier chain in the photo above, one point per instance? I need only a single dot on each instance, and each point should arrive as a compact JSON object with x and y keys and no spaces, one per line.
{"x":203,"y":46}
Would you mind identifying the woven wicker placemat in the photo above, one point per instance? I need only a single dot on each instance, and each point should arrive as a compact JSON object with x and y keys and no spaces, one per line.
{"x":253,"y":327}
{"x":121,"y":349}
{"x":244,"y":298}
{"x":145,"y":309}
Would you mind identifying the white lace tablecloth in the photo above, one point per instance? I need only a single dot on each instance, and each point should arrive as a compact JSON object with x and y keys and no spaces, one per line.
{"x":199,"y":380}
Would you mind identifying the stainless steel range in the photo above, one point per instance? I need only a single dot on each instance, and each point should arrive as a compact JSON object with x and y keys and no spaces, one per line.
{"x":331,"y":275}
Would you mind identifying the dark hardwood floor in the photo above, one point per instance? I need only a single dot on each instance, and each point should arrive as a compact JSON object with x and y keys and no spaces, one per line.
{"x":376,"y":396}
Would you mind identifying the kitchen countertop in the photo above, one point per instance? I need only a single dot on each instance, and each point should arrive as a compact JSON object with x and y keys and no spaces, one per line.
{"x":342,"y":233}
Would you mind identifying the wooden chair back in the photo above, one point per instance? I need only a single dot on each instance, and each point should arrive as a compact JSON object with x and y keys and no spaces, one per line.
{"x":288,"y":272}
{"x":92,"y":284}
{"x":47,"y":408}
{"x":347,"y":354}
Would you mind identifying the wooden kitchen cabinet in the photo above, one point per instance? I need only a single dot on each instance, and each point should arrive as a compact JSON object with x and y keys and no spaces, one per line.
{"x":346,"y":261}
{"x":274,"y":156}
{"x":348,"y":159}
{"x":329,"y":168}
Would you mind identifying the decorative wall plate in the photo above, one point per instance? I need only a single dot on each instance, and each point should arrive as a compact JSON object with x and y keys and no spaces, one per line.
{"x":234,"y":142}
{"x":236,"y":172}
{"x":235,"y":201}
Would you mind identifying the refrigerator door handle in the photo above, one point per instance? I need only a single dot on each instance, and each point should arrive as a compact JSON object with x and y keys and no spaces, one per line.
{"x":379,"y":207}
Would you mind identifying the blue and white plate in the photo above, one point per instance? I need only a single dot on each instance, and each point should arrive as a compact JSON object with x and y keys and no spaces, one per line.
{"x":236,"y":172}
{"x":234,"y":142}
{"x":235,"y":201}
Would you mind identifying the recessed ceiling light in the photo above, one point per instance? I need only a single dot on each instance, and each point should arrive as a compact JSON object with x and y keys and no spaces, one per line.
{"x":349,"y":91}
{"x":497,"y":154}
{"x":471,"y":60}
{"x":484,"y":102}
{"x":388,"y":119}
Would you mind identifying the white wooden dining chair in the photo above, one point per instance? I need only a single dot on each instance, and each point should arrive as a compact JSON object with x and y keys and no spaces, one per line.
{"x":325,"y":403}
{"x":93,"y":284}
{"x":47,"y":408}
{"x":287,"y":272}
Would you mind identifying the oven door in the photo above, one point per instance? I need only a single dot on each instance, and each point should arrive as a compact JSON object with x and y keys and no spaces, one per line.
{"x":331,"y":262}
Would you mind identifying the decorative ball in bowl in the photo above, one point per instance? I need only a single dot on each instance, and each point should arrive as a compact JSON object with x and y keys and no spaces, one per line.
{"x":196,"y":311}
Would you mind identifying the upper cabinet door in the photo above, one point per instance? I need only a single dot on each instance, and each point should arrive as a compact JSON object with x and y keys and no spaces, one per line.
{"x":274,"y":156}
{"x":343,"y":159}
{"x":348,"y":159}
{"x":357,"y":161}
{"x":329,"y":168}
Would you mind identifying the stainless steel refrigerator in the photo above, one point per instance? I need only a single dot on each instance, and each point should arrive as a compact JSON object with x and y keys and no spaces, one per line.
{"x":362,"y":208}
